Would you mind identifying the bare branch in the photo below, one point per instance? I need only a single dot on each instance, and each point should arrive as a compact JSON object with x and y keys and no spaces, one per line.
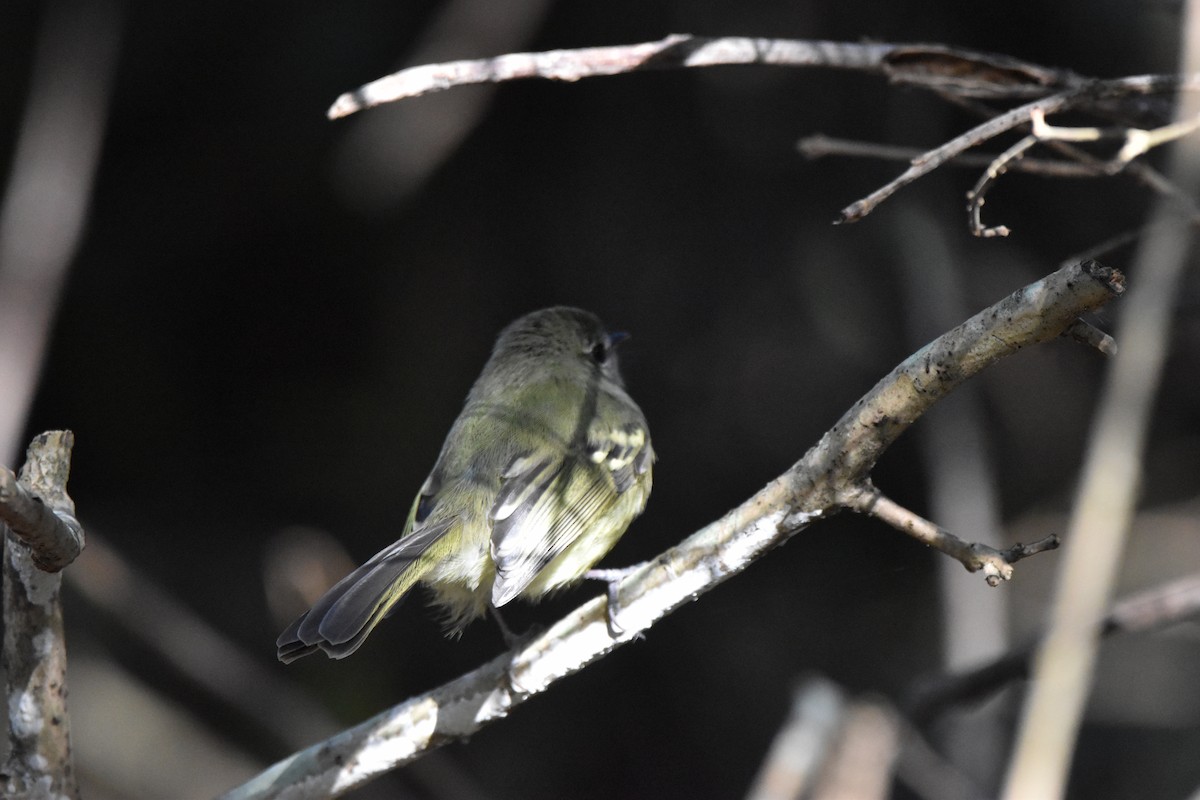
{"x":1037,"y":313}
{"x":1137,"y":142}
{"x":930,"y":66}
{"x":1140,"y":171}
{"x":674,"y":51}
{"x":34,"y":653}
{"x":1148,"y":610}
{"x":1090,"y":335}
{"x":959,"y":75}
{"x":1073,"y":98}
{"x":813,"y":488}
{"x":955,"y":74}
{"x":54,"y":537}
{"x":975,"y":556}
{"x":1155,"y":608}
{"x":1082,"y":165}
{"x":820,"y":146}
{"x":998,"y":167}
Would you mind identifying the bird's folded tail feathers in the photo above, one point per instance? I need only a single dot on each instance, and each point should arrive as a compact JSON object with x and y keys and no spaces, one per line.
{"x":341,"y":620}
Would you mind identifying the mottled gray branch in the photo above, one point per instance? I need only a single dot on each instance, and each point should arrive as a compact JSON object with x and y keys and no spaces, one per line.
{"x":34,"y":650}
{"x":820,"y":484}
{"x":53,"y":535}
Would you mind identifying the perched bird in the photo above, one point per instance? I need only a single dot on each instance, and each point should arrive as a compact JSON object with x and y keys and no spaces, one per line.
{"x":540,"y":475}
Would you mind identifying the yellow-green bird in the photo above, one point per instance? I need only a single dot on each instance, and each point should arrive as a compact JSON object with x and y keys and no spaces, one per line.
{"x":542,"y":472}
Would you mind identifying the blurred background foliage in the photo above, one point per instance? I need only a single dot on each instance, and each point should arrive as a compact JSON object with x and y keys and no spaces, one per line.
{"x":272,"y":321}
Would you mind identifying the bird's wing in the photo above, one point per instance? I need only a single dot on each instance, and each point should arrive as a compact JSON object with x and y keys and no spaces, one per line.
{"x":546,"y":503}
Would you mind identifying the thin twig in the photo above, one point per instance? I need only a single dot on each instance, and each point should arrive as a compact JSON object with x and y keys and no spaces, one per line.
{"x":1140,"y":171}
{"x":1006,"y":121}
{"x":1090,"y":335}
{"x":975,"y":197}
{"x":820,"y":146}
{"x":975,"y":556}
{"x":1137,"y":141}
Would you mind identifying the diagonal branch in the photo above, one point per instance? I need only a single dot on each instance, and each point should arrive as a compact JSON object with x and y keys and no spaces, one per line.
{"x":975,"y":556}
{"x":819,"y":485}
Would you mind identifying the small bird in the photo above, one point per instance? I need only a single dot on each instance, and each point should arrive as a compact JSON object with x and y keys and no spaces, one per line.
{"x":540,"y":475}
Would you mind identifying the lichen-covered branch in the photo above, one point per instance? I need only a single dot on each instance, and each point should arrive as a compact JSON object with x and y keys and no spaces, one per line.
{"x":1037,"y":313}
{"x":53,"y":535}
{"x":34,"y":650}
{"x":818,"y":485}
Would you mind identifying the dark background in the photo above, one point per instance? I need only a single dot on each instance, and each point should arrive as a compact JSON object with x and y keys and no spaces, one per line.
{"x":273,"y":319}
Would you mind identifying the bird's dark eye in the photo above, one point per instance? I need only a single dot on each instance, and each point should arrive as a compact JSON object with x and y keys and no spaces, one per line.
{"x":600,"y":352}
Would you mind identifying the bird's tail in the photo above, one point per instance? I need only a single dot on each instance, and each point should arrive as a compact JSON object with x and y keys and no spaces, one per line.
{"x":339,"y":622}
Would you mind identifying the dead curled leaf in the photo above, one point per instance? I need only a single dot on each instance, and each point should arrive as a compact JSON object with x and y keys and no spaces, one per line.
{"x":972,"y":74}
